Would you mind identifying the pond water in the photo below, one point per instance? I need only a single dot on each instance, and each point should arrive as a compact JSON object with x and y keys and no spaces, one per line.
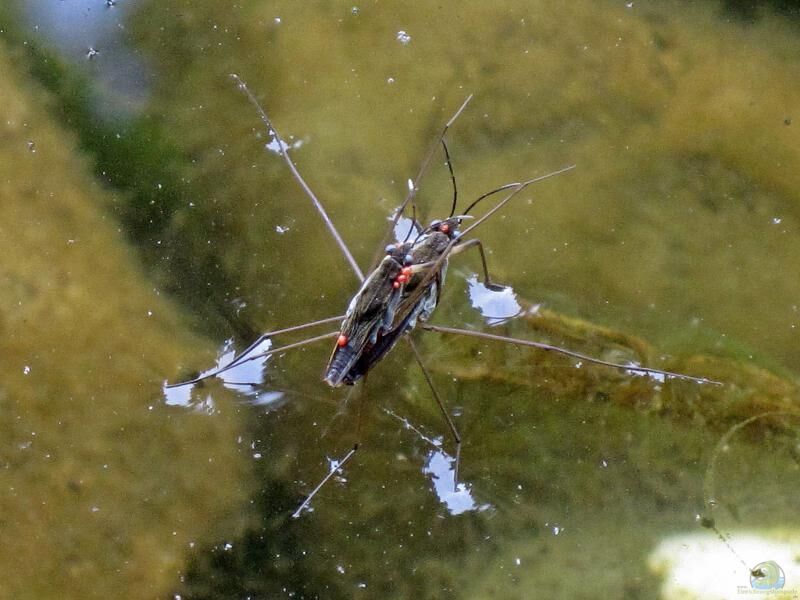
{"x":157,"y":232}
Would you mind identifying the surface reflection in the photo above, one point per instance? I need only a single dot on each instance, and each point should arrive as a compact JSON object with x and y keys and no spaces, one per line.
{"x":495,"y":305}
{"x":246,"y":377}
{"x":442,"y":468}
{"x":92,"y":36}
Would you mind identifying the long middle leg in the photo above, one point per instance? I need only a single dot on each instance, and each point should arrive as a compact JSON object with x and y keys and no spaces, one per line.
{"x":282,"y":148}
{"x":442,"y":406}
{"x":564,"y":351}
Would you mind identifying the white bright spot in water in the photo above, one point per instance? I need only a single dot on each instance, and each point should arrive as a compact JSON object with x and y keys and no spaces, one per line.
{"x":698,"y":565}
{"x":494,"y":306}
{"x":404,"y":229}
{"x":340,"y":569}
{"x":280,"y":229}
{"x":277,"y":20}
{"x":441,"y":467}
{"x":457,"y":498}
{"x":249,"y":371}
{"x":244,"y":378}
{"x":410,"y":185}
{"x":776,"y":220}
{"x":333,"y":465}
{"x":355,"y":10}
{"x":517,"y":561}
{"x":178,"y":396}
{"x":26,"y":369}
{"x":659,"y":377}
{"x":267,"y":398}
{"x":390,"y":80}
{"x":275,"y":145}
{"x":403,"y":37}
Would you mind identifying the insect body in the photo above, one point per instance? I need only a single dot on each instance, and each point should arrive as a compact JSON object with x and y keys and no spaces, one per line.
{"x":403,"y":288}
{"x":389,"y":313}
{"x":370,"y":315}
{"x":419,"y":291}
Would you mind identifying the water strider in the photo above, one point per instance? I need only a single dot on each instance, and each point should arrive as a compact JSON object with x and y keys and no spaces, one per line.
{"x":400,"y":292}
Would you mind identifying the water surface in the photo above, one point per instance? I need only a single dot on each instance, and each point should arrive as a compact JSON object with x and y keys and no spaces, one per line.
{"x":675,"y":233}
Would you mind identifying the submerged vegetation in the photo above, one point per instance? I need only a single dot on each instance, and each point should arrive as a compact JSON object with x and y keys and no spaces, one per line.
{"x":104,"y":488}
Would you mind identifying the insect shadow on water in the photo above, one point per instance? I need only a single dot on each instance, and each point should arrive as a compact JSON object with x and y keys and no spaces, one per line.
{"x":399,"y":293}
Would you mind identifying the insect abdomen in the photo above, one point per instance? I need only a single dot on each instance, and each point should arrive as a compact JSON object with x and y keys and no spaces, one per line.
{"x":340,"y":364}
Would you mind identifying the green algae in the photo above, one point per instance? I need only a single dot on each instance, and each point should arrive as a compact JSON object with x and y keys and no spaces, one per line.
{"x":104,"y":489}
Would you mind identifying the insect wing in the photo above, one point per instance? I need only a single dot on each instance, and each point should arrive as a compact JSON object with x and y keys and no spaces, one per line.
{"x":370,"y":311}
{"x":406,"y":321}
{"x":421,"y":293}
{"x":419,"y":298}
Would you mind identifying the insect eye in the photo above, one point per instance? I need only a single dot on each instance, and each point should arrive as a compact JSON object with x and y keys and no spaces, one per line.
{"x":408,"y":259}
{"x":435,"y":225}
{"x":390,"y":248}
